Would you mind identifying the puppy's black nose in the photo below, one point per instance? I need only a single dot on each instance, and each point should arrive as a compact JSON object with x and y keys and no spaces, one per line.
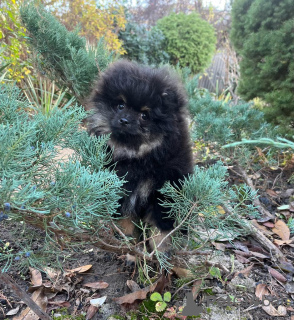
{"x":123,"y":121}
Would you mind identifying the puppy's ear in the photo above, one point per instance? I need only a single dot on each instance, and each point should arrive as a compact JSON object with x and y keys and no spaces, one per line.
{"x":173,"y":98}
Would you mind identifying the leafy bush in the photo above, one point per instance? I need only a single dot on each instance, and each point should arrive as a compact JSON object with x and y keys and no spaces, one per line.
{"x":143,"y":45}
{"x":262,"y":33}
{"x":13,"y":45}
{"x":190,"y":40}
{"x":63,"y":55}
{"x":224,"y":122}
{"x":39,"y":188}
{"x":96,"y":20}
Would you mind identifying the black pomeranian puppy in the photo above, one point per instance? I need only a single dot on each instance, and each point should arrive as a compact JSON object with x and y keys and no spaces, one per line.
{"x":144,"y":110}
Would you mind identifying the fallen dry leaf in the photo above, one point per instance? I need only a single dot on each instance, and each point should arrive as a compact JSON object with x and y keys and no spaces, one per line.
{"x":183,"y":273}
{"x":282,"y":230}
{"x":261,"y":228}
{"x":282,"y":242}
{"x":259,"y":255}
{"x":277,"y":274}
{"x":269,"y":224}
{"x":40,"y":299}
{"x":133,"y":286}
{"x":36,"y":277}
{"x":96,"y":285}
{"x":261,"y":290}
{"x":98,"y":302}
{"x":13,"y":312}
{"x":64,"y":304}
{"x":52,"y":273}
{"x":92,"y":310}
{"x":219,"y":246}
{"x":246,"y":271}
{"x":196,"y":288}
{"x":272,"y":193}
{"x":272,"y":311}
{"x":242,"y":259}
{"x":240,"y":246}
{"x":81,"y":269}
{"x":137,"y":295}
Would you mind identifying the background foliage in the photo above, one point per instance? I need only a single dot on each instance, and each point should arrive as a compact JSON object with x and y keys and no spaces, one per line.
{"x":13,"y":44}
{"x":94,"y":21}
{"x":262,"y":33}
{"x":144,"y":45}
{"x":63,"y":55}
{"x":190,"y":40}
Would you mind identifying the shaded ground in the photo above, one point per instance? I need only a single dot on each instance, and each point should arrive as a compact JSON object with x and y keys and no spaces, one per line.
{"x":236,"y":280}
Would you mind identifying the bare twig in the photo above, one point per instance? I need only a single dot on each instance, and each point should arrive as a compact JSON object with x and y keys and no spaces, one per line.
{"x":256,"y":201}
{"x":174,"y":230}
{"x":277,"y":254}
{"x":24,"y":297}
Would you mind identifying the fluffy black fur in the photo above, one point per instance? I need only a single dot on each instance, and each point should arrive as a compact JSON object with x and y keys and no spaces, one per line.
{"x":144,"y":109}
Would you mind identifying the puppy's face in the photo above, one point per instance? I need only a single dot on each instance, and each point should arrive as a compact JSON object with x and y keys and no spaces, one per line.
{"x":137,"y":105}
{"x":129,"y":122}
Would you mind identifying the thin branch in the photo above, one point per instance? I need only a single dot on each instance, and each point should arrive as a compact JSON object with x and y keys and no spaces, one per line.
{"x":24,"y":296}
{"x":256,"y":201}
{"x":174,"y":230}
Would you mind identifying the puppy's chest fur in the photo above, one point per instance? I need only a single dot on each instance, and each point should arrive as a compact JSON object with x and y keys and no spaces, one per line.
{"x":141,"y":172}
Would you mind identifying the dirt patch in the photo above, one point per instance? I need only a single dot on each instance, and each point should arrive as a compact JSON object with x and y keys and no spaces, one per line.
{"x":274,"y":190}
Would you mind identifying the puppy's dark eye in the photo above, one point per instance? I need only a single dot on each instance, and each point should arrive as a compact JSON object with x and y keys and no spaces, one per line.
{"x":144,"y":116}
{"x":120,"y":106}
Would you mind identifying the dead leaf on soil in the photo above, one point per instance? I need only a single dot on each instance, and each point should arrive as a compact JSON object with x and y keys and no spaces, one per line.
{"x":133,"y":286}
{"x":259,"y":255}
{"x":246,"y":271}
{"x":255,"y":176}
{"x":272,"y":311}
{"x":196,"y":288}
{"x":272,"y":193}
{"x":277,"y":274}
{"x":269,"y":224}
{"x":92,"y":310}
{"x":242,"y":259}
{"x":240,"y":246}
{"x":286,"y":266}
{"x":261,"y":228}
{"x":13,"y":312}
{"x":52,"y":273}
{"x":63,"y":304}
{"x":219,"y":246}
{"x":98,"y":302}
{"x":36,"y":277}
{"x":261,"y":290}
{"x":40,"y":299}
{"x":183,"y":273}
{"x":282,"y":242}
{"x":81,"y":269}
{"x":282,"y":230}
{"x":137,"y":295}
{"x":96,"y":285}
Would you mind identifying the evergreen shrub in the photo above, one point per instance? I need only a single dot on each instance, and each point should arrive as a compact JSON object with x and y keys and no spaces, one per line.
{"x":262,"y":33}
{"x":189,"y":40}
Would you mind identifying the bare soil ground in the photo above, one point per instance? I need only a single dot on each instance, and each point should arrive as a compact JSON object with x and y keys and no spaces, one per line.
{"x":247,"y":272}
